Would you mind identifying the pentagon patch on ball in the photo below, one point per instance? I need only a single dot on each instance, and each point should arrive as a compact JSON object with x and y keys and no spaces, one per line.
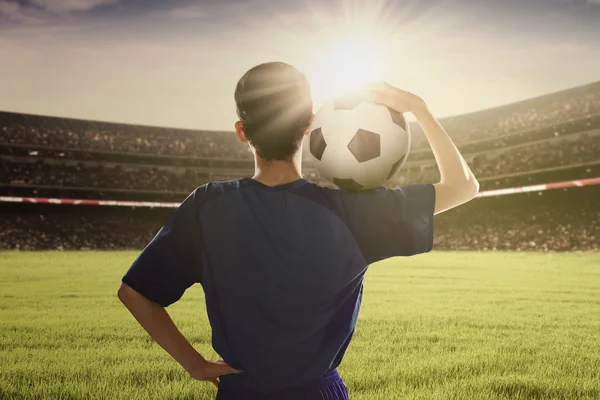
{"x":398,"y":119}
{"x":365,"y":145}
{"x":317,"y":143}
{"x":349,"y":184}
{"x":396,"y":167}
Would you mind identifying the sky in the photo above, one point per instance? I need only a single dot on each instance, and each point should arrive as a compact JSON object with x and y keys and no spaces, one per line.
{"x":176,"y":62}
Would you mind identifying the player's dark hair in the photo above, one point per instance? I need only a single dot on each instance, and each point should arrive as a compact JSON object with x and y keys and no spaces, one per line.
{"x":275,"y":106}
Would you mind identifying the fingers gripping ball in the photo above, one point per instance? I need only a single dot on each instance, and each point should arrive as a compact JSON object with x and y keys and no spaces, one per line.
{"x":358,"y":145}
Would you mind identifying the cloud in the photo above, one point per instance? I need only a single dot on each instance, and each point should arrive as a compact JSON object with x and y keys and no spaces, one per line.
{"x":192,"y":11}
{"x":13,"y":11}
{"x":65,"y":6}
{"x":38,"y":10}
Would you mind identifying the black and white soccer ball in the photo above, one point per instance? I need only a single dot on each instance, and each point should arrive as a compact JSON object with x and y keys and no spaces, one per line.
{"x":358,"y":145}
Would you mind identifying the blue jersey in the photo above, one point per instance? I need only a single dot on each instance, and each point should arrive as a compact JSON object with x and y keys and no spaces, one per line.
{"x":281,"y":267}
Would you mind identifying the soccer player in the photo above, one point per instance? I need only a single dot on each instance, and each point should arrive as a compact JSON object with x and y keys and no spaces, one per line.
{"x":282,"y":260}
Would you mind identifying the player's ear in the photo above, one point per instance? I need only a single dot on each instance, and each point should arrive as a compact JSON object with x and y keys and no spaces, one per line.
{"x":239,"y":129}
{"x":309,"y":122}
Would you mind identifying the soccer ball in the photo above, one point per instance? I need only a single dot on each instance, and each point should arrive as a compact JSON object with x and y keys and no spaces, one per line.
{"x":358,"y":145}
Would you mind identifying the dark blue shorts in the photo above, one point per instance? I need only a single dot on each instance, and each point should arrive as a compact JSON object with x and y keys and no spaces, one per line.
{"x":329,"y":387}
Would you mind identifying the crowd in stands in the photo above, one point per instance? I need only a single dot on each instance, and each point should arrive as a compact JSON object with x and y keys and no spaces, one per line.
{"x":571,"y":150}
{"x":560,"y":152}
{"x":513,"y":145}
{"x":537,"y":232}
{"x":79,"y":228}
{"x":546,"y":221}
{"x":548,"y":154}
{"x":549,"y":110}
{"x":105,"y":137}
{"x":530,"y":115}
{"x":556,"y":220}
{"x":100,"y":176}
{"x":513,"y":139}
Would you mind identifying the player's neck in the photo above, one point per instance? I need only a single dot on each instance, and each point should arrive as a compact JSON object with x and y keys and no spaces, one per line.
{"x":277,"y":172}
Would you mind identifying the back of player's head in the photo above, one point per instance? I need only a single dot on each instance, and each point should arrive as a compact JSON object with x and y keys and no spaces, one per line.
{"x":274,"y":106}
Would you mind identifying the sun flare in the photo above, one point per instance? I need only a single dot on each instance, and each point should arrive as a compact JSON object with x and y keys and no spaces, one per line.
{"x":343,"y":64}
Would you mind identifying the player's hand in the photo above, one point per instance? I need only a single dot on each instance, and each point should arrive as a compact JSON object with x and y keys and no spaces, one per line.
{"x":396,"y":99}
{"x":211,"y":370}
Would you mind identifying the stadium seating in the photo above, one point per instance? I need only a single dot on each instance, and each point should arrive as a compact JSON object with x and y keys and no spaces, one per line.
{"x":560,"y":220}
{"x":563,"y":151}
{"x":549,"y":138}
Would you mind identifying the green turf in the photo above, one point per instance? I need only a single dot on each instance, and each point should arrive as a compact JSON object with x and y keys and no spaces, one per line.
{"x":445,"y":325}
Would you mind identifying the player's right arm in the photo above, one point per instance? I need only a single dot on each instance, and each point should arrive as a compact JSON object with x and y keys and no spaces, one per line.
{"x":457,"y":185}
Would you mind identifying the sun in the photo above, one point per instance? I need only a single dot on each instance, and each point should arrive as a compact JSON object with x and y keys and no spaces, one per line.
{"x":345,"y":63}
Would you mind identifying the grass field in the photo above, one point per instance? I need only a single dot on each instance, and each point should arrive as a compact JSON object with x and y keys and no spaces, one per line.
{"x":445,"y":325}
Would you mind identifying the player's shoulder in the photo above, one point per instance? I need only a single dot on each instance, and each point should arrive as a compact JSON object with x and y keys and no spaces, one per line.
{"x":377,"y":197}
{"x":334,"y":197}
{"x":213,"y":189}
{"x":331,"y":191}
{"x":197,"y":199}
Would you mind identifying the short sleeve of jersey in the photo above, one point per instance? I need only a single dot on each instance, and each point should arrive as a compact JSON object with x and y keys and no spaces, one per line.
{"x":172,"y":261}
{"x":391,"y":222}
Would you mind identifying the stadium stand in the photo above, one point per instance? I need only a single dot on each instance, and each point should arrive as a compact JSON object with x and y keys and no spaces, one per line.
{"x":99,"y":175}
{"x":67,"y":133}
{"x":561,"y":152}
{"x":552,"y":110}
{"x":567,"y":151}
{"x":559,"y":220}
{"x":524,"y":117}
{"x":546,"y":139}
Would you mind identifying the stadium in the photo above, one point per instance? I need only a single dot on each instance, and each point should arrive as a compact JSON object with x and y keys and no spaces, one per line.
{"x":504,"y":308}
{"x":134,"y":175}
{"x":163,"y":238}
